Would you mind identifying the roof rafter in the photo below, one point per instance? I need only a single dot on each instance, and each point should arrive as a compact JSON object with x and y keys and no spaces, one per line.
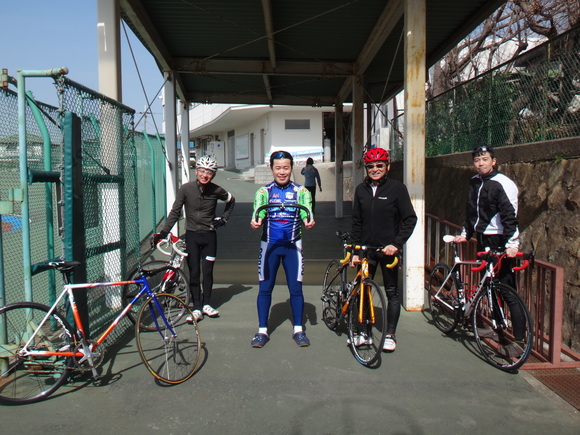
{"x":260,"y":67}
{"x":387,"y":21}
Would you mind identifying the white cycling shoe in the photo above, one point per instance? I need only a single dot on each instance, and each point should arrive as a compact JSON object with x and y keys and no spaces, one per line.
{"x":196,"y":315}
{"x":208,"y":310}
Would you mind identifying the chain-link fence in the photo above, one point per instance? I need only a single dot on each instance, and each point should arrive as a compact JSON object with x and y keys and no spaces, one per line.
{"x":150,"y":181}
{"x":117,"y":186}
{"x":532,"y":98}
{"x":44,"y":153}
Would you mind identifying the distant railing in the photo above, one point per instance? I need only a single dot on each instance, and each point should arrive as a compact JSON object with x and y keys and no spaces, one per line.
{"x":542,"y":289}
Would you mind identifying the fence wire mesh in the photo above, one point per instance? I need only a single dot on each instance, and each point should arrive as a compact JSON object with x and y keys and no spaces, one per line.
{"x":43,"y":154}
{"x":532,"y":98}
{"x":117,"y":187}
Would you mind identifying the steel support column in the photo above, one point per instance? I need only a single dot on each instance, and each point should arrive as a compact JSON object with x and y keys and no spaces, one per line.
{"x":109,"y":48}
{"x":414,"y":158}
{"x":184,"y":136}
{"x":357,"y":136}
{"x":169,"y":111}
{"x":338,"y":164}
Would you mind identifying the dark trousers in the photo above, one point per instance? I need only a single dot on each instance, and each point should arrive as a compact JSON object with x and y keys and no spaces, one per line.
{"x":201,"y":253}
{"x":312,"y":190}
{"x":390,"y":280}
{"x":507,"y":276}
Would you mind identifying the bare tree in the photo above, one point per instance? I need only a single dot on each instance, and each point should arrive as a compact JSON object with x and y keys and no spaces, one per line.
{"x":501,"y":37}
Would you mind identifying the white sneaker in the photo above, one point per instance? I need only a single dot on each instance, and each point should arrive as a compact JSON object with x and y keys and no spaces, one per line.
{"x":196,"y":315}
{"x":390,"y":343}
{"x":361,"y":340}
{"x":209,"y":311}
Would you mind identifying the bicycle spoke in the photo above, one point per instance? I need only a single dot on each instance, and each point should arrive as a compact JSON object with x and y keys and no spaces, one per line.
{"x":170,"y":345}
{"x":332,"y":287}
{"x":503,"y":327}
{"x":442,"y":296}
{"x":367,"y":322}
{"x":28,"y":379}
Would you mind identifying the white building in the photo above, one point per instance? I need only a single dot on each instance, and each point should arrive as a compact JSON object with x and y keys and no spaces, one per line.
{"x":243,"y":136}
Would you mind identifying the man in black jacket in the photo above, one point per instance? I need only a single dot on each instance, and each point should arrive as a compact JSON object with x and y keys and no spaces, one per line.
{"x":383,"y":216}
{"x":492,"y":207}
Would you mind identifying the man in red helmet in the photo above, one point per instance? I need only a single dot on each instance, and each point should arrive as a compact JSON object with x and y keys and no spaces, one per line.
{"x":383,"y":216}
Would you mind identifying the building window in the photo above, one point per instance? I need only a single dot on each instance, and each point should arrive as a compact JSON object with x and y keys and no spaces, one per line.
{"x":297,"y":124}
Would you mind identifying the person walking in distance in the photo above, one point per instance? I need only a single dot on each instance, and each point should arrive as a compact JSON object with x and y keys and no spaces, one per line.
{"x":383,"y":216}
{"x":281,"y":242}
{"x":199,"y":199}
{"x":491,"y":215}
{"x":311,"y":176}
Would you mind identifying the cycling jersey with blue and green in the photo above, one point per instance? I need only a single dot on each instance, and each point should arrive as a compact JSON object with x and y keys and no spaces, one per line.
{"x":282,"y":226}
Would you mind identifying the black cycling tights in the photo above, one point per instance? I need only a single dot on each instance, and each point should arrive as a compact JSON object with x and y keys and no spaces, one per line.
{"x":201,"y":253}
{"x":390,"y":280}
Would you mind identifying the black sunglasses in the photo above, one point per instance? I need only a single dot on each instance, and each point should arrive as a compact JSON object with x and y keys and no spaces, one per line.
{"x":376,"y":165}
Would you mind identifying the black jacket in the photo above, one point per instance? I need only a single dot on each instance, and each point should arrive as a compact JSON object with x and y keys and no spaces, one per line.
{"x":386,"y":218}
{"x":492,"y":206}
{"x":200,"y":204}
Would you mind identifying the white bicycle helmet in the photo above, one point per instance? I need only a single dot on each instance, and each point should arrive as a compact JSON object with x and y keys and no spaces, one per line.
{"x":207,"y":162}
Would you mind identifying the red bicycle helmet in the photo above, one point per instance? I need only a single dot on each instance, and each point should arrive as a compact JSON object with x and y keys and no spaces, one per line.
{"x":375,"y":155}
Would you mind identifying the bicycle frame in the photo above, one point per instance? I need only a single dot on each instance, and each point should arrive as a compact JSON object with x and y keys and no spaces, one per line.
{"x":86,"y":354}
{"x":466,"y":306}
{"x":176,"y":254}
{"x":358,"y":281}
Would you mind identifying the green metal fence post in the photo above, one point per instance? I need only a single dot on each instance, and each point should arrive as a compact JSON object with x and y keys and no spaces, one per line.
{"x":74,"y":223}
{"x":153,"y":181}
{"x":50,"y":251}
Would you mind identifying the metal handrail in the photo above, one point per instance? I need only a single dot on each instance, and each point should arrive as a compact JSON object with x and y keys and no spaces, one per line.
{"x":541,"y":288}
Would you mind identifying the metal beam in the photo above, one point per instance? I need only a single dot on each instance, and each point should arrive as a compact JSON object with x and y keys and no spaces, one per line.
{"x":259,"y":98}
{"x":194,"y":65}
{"x":389,"y":18}
{"x":267,"y":8}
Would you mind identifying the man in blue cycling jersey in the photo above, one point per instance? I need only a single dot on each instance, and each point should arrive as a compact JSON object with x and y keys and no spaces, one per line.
{"x":281,"y":242}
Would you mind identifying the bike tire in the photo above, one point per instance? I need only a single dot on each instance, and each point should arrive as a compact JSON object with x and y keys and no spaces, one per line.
{"x":373,"y":332}
{"x":333,"y":285}
{"x":28,"y":379}
{"x":177,"y":285}
{"x":493,"y":327}
{"x":171,"y":358}
{"x":443,"y":300}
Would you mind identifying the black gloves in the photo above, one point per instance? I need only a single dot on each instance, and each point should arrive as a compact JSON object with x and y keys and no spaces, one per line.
{"x":157,"y":237}
{"x":217,"y":222}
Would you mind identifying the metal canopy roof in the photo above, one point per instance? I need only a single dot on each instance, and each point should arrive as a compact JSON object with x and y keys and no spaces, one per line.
{"x":290,"y":52}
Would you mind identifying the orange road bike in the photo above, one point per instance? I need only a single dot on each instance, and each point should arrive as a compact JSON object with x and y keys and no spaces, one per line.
{"x":38,"y":346}
{"x":505,"y":340}
{"x":360,"y":301}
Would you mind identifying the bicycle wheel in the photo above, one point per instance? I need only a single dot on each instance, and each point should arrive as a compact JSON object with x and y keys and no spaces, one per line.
{"x":163,"y":280}
{"x":367,"y":323}
{"x":170,"y":354}
{"x":443,"y":298}
{"x":332,"y":287}
{"x":28,"y":379}
{"x":503,"y":327}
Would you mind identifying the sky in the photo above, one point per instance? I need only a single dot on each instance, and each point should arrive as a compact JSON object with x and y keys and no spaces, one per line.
{"x":41,"y":34}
